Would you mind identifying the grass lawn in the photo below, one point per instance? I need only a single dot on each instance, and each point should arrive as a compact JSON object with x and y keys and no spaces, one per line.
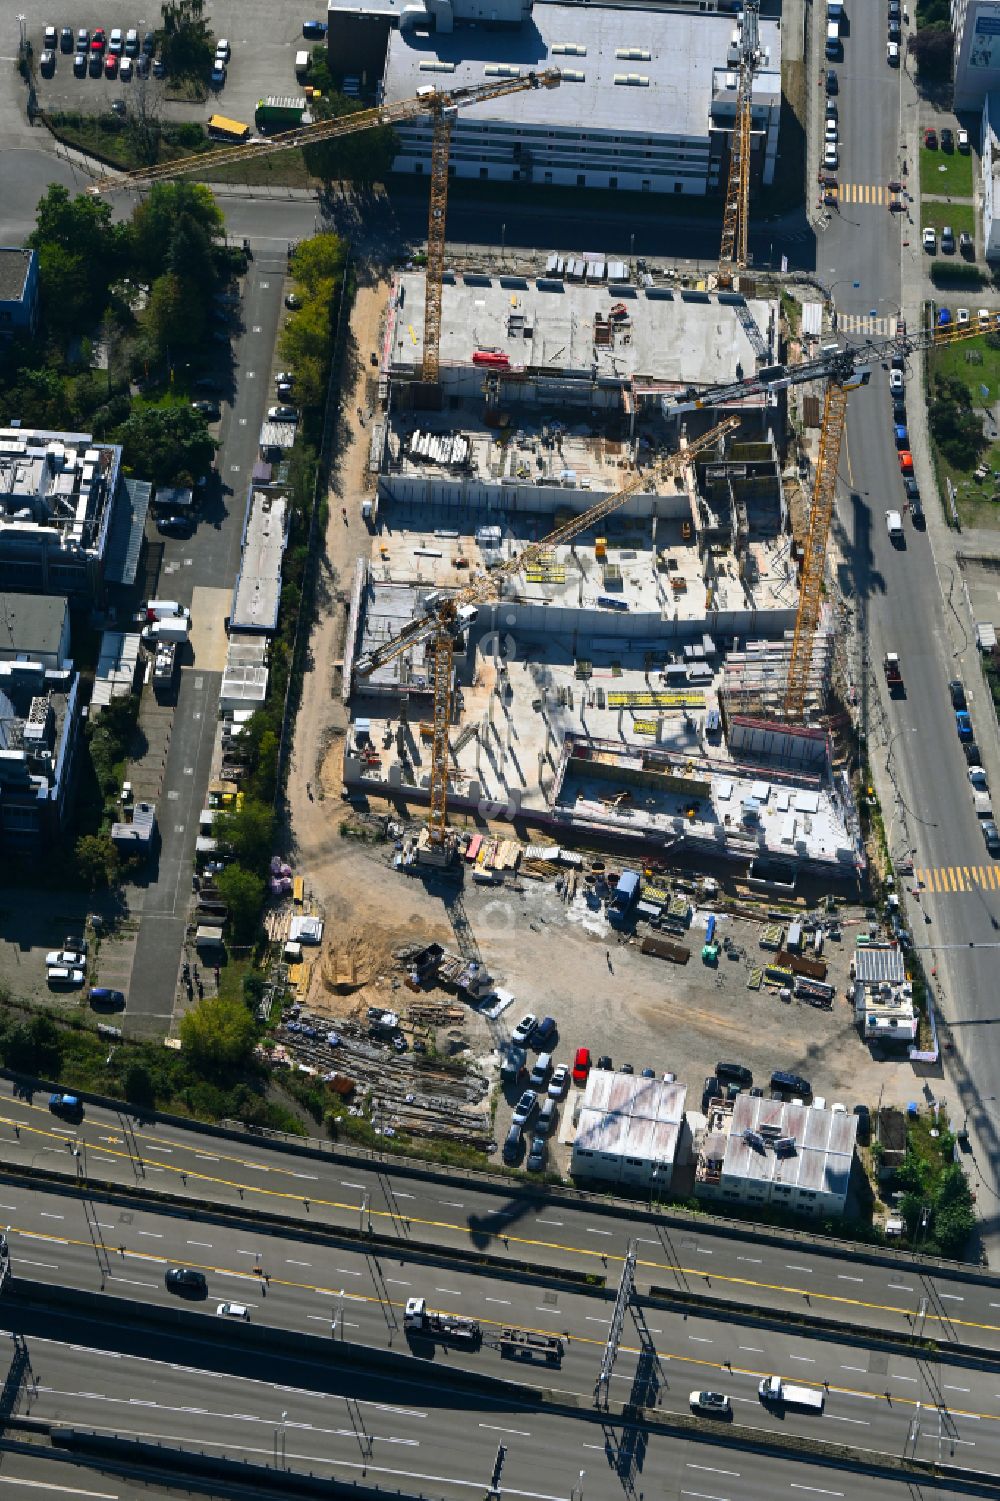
{"x":947,"y":172}
{"x":974,"y":365}
{"x":961,"y":216}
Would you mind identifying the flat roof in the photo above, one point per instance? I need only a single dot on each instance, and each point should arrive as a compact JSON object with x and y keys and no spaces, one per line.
{"x":14,"y":265}
{"x":258,"y":585}
{"x":31,"y":623}
{"x":550,"y":326}
{"x":820,"y":1160}
{"x":875,"y":963}
{"x":676,"y":53}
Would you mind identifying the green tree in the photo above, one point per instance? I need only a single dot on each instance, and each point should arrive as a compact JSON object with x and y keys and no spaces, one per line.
{"x":957,"y":430}
{"x":932,"y":49}
{"x":80,"y":252}
{"x":138,"y":1085}
{"x":186,"y":41}
{"x":96,"y":860}
{"x":169,"y":445}
{"x":306,"y":343}
{"x":32,"y":1047}
{"x":243,"y":893}
{"x":173,"y":210}
{"x":248,"y":832}
{"x":363,"y":158}
{"x":174,"y":320}
{"x":317,"y":262}
{"x":218,"y":1034}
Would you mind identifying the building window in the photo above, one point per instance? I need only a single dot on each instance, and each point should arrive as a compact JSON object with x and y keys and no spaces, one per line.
{"x":612,"y":182}
{"x":484,"y":172}
{"x":418,"y":167}
{"x":678,"y":187}
{"x":548,"y":177}
{"x":581,"y":179}
{"x":646,"y":184}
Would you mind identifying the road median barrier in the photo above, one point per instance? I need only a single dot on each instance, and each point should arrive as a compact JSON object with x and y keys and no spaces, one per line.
{"x":346,"y":1236}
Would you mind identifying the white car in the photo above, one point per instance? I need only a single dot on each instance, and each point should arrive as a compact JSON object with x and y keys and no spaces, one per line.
{"x":233,"y":1311}
{"x":831,"y":131}
{"x":895,"y":380}
{"x":962,"y":315}
{"x":559,"y":1083}
{"x":984,"y":317}
{"x":524,"y":1029}
{"x":892,"y":54}
{"x":963,"y":140}
{"x":223,"y":49}
{"x":125,"y":69}
{"x":977,"y":777}
{"x":717,"y":1404}
{"x":63,"y":975}
{"x":930,"y":240}
{"x":831,"y":157}
{"x":115,"y":41}
{"x":894,"y":524}
{"x":58,"y":957}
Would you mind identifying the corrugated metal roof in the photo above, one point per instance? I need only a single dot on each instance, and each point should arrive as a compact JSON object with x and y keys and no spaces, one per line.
{"x":812,"y":318}
{"x":628,"y":1116}
{"x":879,"y":962}
{"x":116,"y":667}
{"x":128,"y":524}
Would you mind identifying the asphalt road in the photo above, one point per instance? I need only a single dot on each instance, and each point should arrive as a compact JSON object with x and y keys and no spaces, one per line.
{"x":209,"y":1394}
{"x":903,"y":606}
{"x":524,"y":1225}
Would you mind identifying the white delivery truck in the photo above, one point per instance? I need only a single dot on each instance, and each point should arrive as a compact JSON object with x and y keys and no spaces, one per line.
{"x":779,"y":1393}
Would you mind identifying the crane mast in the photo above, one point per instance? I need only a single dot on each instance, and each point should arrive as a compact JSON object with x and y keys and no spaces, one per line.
{"x":736,"y":214}
{"x":449,"y":615}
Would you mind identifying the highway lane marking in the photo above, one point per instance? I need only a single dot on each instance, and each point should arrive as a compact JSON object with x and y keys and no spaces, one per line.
{"x":130,"y":1281}
{"x":955,"y":1297}
{"x":53,"y":1266}
{"x":901,"y":1287}
{"x":346,"y":1271}
{"x":791,"y":1266}
{"x":205,"y":1244}
{"x":398,"y":1195}
{"x":842,"y":1277}
{"x":151,"y":1234}
{"x":288,"y":1260}
{"x":753,"y":1349}
{"x":709,"y":1470}
{"x":451,"y":1203}
{"x":449,"y":1292}
{"x":947,"y":1388}
{"x":814,"y":1489}
{"x":467,"y":1230}
{"x":397,"y":1283}
{"x":46,"y":1216}
{"x":832,"y":1417}
{"x":757,"y":1260}
{"x":699,"y":1339}
{"x":505,"y":1301}
{"x":558,"y":1224}
{"x":808,"y":1358}
{"x":900,"y":1378}
{"x":860,"y":1369}
{"x":701,"y":1496}
{"x":63,"y":1490}
{"x":516,"y":1432}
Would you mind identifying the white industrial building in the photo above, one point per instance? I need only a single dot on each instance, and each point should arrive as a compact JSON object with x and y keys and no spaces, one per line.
{"x":883,"y":996}
{"x":645,"y":100}
{"x":976,"y":24}
{"x":795,"y":1156}
{"x":628,"y":1130}
{"x":990,"y":168}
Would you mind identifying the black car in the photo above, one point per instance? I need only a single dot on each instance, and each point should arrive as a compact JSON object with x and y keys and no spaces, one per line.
{"x":96,"y":65}
{"x":972,"y":756}
{"x":864,"y":1124}
{"x":209,"y":409}
{"x":604,"y":1061}
{"x":734,"y":1073}
{"x":991,"y":836}
{"x":314,"y":31}
{"x":832,"y":82}
{"x":149,"y":43}
{"x":947,"y":140}
{"x":66,"y":39}
{"x":895,"y":32}
{"x":47,"y":64}
{"x":186,"y":1279}
{"x":899,"y":412}
{"x":174,"y":526}
{"x":80,"y":65}
{"x":911,"y":487}
{"x":512,"y":1146}
{"x":786,"y":1083}
{"x":956,"y":688}
{"x":536,"y":1156}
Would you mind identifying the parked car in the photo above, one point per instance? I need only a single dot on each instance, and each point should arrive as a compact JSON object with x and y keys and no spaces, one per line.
{"x":895,"y":32}
{"x":64,"y":977}
{"x":734,"y":1073}
{"x":104,"y":996}
{"x":66,"y":39}
{"x":963,"y":140}
{"x":513,"y":1064}
{"x":831,"y":157}
{"x":604,"y":1062}
{"x":947,"y":240}
{"x":581,"y":1065}
{"x":947,"y":140}
{"x":525,"y":1109}
{"x":832,"y":113}
{"x":223,"y":49}
{"x":111,"y":65}
{"x":983,"y":317}
{"x":536,"y":1155}
{"x":63,"y":957}
{"x":207,"y":408}
{"x":80,"y":65}
{"x":149,"y":43}
{"x":95,"y":67}
{"x":174,"y":526}
{"x":966,"y":244}
{"x":713,"y":1404}
{"x":977,"y":776}
{"x":783,"y":1082}
{"x":905,"y":461}
{"x":521,"y":1034}
{"x":559,"y":1083}
{"x":292,"y":301}
{"x":710,"y":1091}
{"x":863,"y":1116}
{"x":545,"y":1033}
{"x":47,"y":63}
{"x":962,"y":316}
{"x":896,"y":380}
{"x":972,"y":754}
{"x":901,"y":435}
{"x":282,"y":413}
{"x":944,"y":317}
{"x":513,"y":1142}
{"x":185,"y":1279}
{"x":832,"y":82}
{"x":930,"y":138}
{"x":50,"y":39}
{"x":930,"y":240}
{"x":159,"y":68}
{"x":116,"y":40}
{"x":83,"y":39}
{"x":991,"y":836}
{"x":314,"y":31}
{"x":963,"y":724}
{"x":218,"y":76}
{"x":125,"y":69}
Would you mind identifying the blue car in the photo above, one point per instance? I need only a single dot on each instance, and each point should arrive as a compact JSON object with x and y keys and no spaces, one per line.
{"x":902,"y":436}
{"x":963,"y":724}
{"x":944,"y":317}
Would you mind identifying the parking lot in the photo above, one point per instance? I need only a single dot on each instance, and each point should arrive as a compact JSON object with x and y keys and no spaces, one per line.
{"x":263,"y":40}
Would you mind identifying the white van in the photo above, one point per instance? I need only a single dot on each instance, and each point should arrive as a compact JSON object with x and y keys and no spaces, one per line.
{"x":164,"y":609}
{"x":833,"y":39}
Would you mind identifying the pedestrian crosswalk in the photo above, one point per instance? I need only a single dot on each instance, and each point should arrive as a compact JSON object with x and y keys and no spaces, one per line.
{"x":958,"y":878}
{"x":864,"y":323}
{"x":864,"y":192}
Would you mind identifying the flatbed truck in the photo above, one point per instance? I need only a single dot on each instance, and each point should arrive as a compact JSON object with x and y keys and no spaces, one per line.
{"x":526,"y":1344}
{"x":450,"y":1327}
{"x":893,"y":672}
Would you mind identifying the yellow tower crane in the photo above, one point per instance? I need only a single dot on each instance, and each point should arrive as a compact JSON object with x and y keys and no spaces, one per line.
{"x":447,"y":616}
{"x":441,"y":104}
{"x":843,"y":370}
{"x":736,"y":214}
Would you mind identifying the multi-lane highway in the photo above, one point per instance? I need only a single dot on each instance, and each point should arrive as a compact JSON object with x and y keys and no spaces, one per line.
{"x":570,"y":1231}
{"x":336,"y":1292}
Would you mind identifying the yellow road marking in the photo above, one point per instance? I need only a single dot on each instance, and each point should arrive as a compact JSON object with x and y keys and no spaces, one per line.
{"x":677,"y":1356}
{"x":606,"y":1257}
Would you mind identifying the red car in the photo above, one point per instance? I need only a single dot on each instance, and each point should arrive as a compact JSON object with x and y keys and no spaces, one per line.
{"x":98,"y":41}
{"x":905,"y":461}
{"x":111,"y":65}
{"x":930,"y":139}
{"x":581,"y":1065}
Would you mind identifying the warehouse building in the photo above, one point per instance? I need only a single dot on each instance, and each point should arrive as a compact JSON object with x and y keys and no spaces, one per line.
{"x":629,"y":1130}
{"x":646,"y":102}
{"x":795,"y":1156}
